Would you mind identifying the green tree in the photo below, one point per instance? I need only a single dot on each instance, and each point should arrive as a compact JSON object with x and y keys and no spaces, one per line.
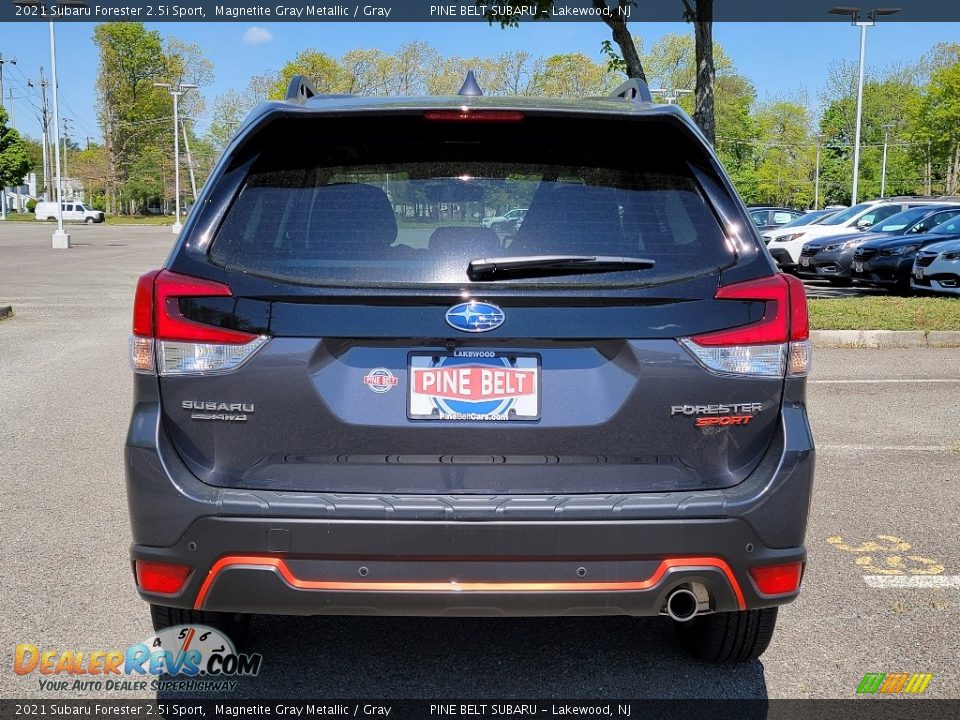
{"x":935,"y":127}
{"x":889,"y":99}
{"x":615,"y":16}
{"x":785,"y":165}
{"x":573,"y":75}
{"x":324,"y":71}
{"x":14,"y":161}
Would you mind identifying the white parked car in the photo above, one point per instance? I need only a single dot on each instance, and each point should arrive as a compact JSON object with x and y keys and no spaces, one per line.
{"x":515,"y":215}
{"x":937,"y":268}
{"x":73,"y":211}
{"x":785,"y":245}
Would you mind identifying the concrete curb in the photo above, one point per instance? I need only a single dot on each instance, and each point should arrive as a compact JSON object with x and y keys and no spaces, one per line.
{"x":885,"y":338}
{"x":6,"y":311}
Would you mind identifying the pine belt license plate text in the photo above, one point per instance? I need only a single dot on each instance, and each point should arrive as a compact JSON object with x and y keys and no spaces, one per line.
{"x":474,"y":385}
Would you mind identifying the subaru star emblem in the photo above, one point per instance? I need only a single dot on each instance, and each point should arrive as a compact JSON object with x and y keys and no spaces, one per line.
{"x":475,"y":317}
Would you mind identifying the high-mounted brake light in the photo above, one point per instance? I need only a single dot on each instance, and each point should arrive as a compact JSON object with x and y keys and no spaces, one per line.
{"x":183,"y":346}
{"x":473,"y":115}
{"x":774,"y":345}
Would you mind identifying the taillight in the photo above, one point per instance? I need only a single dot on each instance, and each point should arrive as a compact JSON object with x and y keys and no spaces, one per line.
{"x":165,"y":341}
{"x":776,"y":344}
{"x":777,"y":579}
{"x":158,"y":577}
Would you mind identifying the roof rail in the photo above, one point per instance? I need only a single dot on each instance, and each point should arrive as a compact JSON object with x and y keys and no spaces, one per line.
{"x":633,"y":89}
{"x":300,"y":89}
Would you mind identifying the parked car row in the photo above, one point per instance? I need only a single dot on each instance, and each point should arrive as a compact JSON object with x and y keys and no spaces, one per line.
{"x":875,"y":243}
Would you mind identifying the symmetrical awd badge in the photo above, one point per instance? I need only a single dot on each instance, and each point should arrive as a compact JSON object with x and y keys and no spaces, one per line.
{"x":475,"y":317}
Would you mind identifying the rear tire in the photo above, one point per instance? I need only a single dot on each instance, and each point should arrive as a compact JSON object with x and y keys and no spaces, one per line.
{"x":728,"y":637}
{"x":234,"y":625}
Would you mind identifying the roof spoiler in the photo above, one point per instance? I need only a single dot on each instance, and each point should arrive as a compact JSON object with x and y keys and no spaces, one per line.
{"x":300,"y":89}
{"x":633,"y":89}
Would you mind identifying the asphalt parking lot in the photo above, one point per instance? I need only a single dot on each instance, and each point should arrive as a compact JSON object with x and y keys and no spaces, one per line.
{"x":887,"y":506}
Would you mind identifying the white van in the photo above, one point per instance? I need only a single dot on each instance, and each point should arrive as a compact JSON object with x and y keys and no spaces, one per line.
{"x":73,"y":211}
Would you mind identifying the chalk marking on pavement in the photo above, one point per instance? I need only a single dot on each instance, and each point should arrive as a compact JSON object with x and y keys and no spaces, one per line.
{"x":882,"y":381}
{"x":912,"y":581}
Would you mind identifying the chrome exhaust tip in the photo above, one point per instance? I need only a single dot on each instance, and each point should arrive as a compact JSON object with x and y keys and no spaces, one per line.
{"x":682,"y":605}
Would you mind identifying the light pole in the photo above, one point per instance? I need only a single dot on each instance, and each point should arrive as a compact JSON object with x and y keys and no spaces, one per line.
{"x":176,"y":91}
{"x":61,"y":240}
{"x":883,"y":167}
{"x":854,"y":14}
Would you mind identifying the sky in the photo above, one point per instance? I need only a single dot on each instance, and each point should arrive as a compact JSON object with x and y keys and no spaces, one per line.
{"x":781,"y":59}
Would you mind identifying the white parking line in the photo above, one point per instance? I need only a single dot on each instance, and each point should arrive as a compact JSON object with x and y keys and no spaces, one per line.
{"x":882,"y":381}
{"x":912,"y":581}
{"x":889,"y":448}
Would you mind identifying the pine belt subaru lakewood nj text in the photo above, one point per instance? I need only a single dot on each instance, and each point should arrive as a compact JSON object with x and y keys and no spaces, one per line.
{"x":352,"y":396}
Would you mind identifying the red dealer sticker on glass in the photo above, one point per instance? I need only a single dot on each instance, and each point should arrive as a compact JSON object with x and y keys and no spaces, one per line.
{"x":474,"y":385}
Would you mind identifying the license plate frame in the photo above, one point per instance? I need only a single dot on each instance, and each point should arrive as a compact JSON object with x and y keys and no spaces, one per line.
{"x":474,"y":385}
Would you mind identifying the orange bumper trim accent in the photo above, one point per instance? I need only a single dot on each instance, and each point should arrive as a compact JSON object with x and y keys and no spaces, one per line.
{"x":452,"y":586}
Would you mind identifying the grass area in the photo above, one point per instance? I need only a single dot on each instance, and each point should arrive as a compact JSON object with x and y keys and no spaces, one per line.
{"x":111,"y":219}
{"x":885,"y":313}
{"x":139,"y":220}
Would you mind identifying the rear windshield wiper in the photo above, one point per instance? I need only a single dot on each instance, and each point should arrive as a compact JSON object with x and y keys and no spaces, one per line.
{"x":530,"y":266}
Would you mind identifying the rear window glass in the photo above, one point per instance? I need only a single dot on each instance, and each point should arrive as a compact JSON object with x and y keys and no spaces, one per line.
{"x":414,"y":202}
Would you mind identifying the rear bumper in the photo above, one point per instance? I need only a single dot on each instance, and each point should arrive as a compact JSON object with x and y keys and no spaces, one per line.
{"x":314,"y":553}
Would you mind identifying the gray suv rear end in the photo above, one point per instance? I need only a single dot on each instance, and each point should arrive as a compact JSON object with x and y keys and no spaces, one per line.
{"x":351,"y":397}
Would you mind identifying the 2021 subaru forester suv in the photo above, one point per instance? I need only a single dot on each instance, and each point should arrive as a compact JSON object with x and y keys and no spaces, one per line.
{"x":352,"y":397}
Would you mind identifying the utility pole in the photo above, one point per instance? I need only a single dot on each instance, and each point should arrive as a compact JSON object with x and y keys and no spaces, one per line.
{"x":66,"y":134}
{"x":816,"y":181}
{"x":13,"y":109}
{"x":186,"y":143}
{"x":44,"y":118}
{"x":3,"y":190}
{"x":11,"y":61}
{"x":883,"y":167}
{"x":175,"y":92}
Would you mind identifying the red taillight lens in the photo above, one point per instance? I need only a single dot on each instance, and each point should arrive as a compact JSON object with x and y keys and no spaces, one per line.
{"x":773,"y":327}
{"x":473,"y":115}
{"x":160,"y":577}
{"x":771,"y":346}
{"x":166,"y":342}
{"x":799,"y":318}
{"x":168,"y":288}
{"x":143,"y":305}
{"x":777,"y":579}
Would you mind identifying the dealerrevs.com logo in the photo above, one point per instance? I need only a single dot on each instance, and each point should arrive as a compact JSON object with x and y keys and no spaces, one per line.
{"x":184,"y":657}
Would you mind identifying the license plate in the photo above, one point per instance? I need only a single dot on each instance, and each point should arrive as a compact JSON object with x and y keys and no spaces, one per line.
{"x":918,"y":273}
{"x":858,"y":267}
{"x":474,"y":385}
{"x":805,"y":261}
